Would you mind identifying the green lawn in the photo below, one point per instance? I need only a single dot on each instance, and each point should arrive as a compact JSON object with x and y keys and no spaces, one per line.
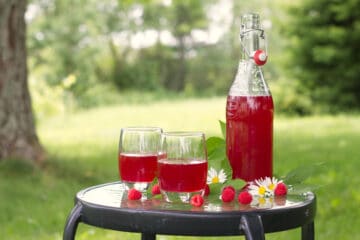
{"x":82,"y":149}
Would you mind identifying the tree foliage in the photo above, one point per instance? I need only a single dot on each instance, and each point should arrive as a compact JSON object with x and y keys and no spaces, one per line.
{"x":154,"y":45}
{"x":324,"y":46}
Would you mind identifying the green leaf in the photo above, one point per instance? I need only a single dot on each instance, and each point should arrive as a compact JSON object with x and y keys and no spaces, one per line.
{"x":300,"y":174}
{"x":215,"y":189}
{"x":214,"y":164}
{"x":302,"y":188}
{"x":236,"y":183}
{"x":158,"y":196}
{"x":227,"y":168}
{"x":223,"y":128}
{"x":216,"y":151}
{"x":148,"y":191}
{"x":213,"y":143}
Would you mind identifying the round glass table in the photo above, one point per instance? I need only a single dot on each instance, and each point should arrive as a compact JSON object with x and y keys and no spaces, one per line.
{"x":106,"y":206}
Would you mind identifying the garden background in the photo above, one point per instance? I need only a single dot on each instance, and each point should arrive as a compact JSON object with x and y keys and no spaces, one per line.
{"x":97,"y":66}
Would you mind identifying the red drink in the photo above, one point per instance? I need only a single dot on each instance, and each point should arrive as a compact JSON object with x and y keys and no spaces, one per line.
{"x":162,"y":155}
{"x":249,"y":136}
{"x":137,"y":167}
{"x":177,"y":176}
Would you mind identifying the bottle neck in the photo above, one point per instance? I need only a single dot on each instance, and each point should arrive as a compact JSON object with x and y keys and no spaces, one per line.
{"x":249,"y":79}
{"x":250,"y":35}
{"x":250,"y":42}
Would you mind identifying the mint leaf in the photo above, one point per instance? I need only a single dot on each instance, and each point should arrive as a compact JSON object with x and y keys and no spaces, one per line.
{"x":302,"y":188}
{"x":236,"y":183}
{"x":213,"y":143}
{"x":148,"y":190}
{"x":300,"y":174}
{"x":227,"y":168}
{"x":215,"y":190}
{"x":223,"y":128}
{"x":216,"y":152}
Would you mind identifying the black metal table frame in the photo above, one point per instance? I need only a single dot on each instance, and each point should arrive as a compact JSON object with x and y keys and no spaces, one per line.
{"x":252,"y":224}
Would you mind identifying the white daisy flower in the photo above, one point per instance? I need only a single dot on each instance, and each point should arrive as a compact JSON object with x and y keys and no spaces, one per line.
{"x":263,"y":187}
{"x":272,"y":183}
{"x":257,"y":189}
{"x":216,"y":177}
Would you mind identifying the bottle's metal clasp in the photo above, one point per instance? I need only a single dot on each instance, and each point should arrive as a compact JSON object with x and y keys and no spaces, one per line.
{"x":259,"y":55}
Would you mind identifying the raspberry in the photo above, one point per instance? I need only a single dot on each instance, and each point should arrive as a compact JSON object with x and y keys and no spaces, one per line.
{"x":244,"y":197}
{"x":280,"y":189}
{"x":197,"y":200}
{"x":227,"y":195}
{"x":134,"y":194}
{"x":155,"y":190}
{"x":207,"y":190}
{"x":229,"y":187}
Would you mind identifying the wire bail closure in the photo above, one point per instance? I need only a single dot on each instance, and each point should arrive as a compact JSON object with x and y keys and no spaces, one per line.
{"x":259,"y":56}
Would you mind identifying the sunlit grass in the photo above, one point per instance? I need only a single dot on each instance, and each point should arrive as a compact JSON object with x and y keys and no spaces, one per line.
{"x":82,"y":149}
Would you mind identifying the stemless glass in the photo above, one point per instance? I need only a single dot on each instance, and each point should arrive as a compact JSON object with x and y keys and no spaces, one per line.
{"x":182,"y":170}
{"x":138,"y":155}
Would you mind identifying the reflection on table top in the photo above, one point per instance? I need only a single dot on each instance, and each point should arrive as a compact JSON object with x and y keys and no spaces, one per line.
{"x":113,"y":195}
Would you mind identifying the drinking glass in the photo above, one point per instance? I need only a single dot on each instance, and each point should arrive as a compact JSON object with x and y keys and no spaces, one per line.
{"x":138,"y":155}
{"x":182,"y":170}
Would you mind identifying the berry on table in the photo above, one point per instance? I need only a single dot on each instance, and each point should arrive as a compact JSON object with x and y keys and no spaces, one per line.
{"x":280,"y":189}
{"x":197,"y":200}
{"x":244,"y":197}
{"x":155,"y":190}
{"x":134,"y":194}
{"x":229,"y":187}
{"x":227,"y":195}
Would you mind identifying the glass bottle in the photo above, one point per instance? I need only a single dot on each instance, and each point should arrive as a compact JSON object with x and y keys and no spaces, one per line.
{"x":250,"y":108}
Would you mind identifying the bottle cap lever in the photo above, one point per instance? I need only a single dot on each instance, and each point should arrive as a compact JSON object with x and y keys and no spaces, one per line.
{"x":259,"y":56}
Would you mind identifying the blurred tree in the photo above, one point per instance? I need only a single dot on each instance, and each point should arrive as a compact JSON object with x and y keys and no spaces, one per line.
{"x":64,"y":40}
{"x":119,"y":62}
{"x":324,"y":48}
{"x":140,"y":44}
{"x":179,"y":18}
{"x":88,"y":39}
{"x":18,"y":137}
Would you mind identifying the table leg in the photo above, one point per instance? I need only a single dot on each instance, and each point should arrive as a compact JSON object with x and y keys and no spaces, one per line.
{"x":72,"y":223}
{"x":252,"y":227}
{"x":148,"y":236}
{"x":308,"y":231}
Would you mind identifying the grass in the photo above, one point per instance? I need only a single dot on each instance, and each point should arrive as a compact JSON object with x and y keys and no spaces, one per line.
{"x":82,"y":147}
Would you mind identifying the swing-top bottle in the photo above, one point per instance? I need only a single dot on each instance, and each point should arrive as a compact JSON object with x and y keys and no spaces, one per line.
{"x":249,"y":109}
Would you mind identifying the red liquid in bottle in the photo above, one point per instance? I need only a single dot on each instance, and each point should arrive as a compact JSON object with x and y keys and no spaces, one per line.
{"x":137,"y":167}
{"x":249,"y":136}
{"x":182,"y":177}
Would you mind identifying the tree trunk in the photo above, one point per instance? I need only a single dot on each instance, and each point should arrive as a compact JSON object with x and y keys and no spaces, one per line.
{"x":18,"y":137}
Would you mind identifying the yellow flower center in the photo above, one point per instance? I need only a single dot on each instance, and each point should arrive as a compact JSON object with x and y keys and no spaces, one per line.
{"x":215,"y":179}
{"x":262,"y":190}
{"x":262,"y":201}
{"x":271,"y":186}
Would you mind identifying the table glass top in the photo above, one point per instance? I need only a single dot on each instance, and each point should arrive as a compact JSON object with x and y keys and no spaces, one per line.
{"x":114,"y":195}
